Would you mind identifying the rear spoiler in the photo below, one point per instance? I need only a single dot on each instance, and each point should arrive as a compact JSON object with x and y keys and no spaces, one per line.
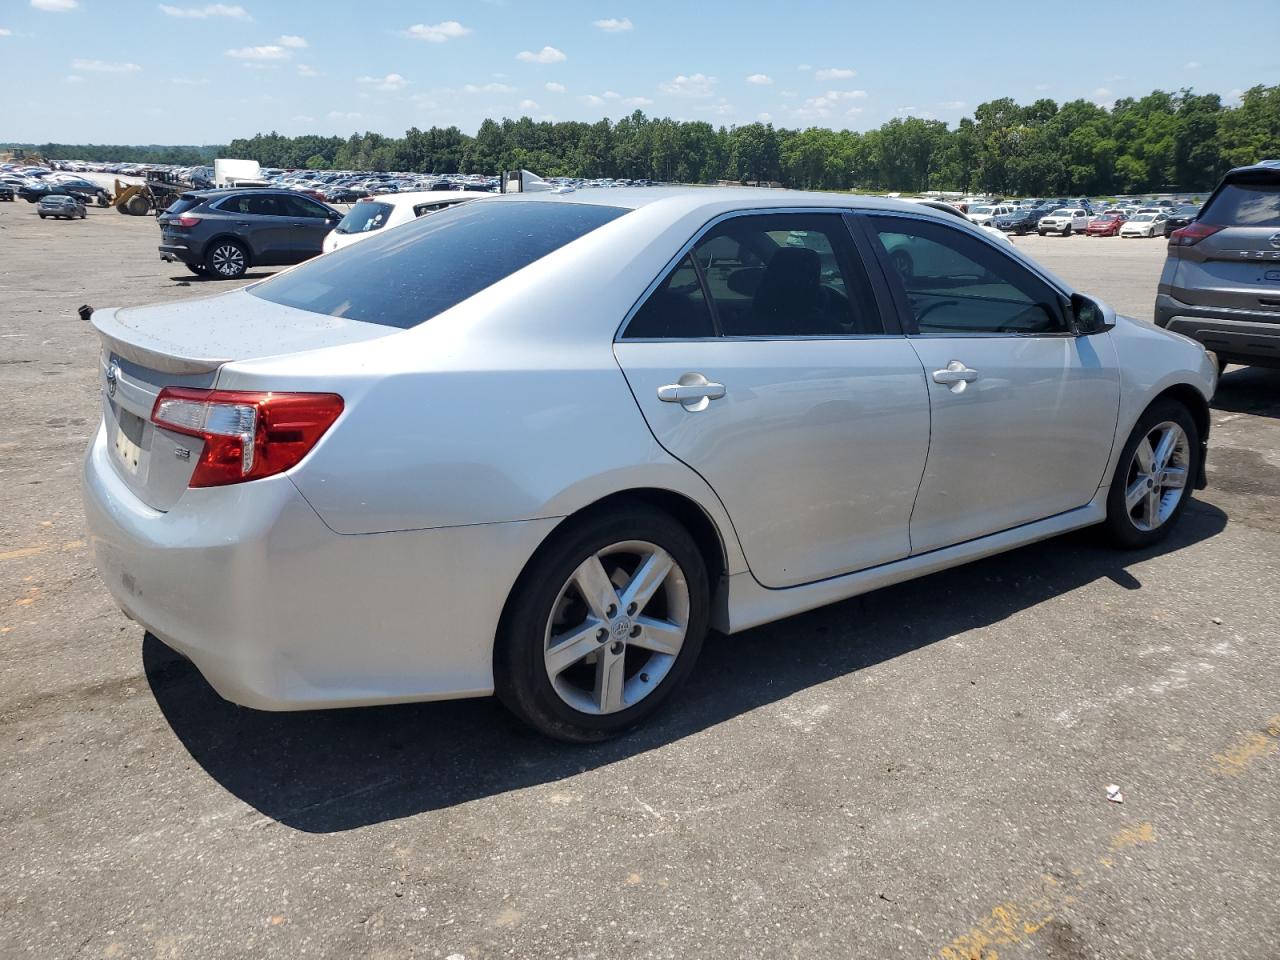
{"x":131,"y":344}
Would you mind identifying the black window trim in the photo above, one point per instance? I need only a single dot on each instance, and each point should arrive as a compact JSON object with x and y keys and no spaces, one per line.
{"x":906,"y":316}
{"x":889,"y":312}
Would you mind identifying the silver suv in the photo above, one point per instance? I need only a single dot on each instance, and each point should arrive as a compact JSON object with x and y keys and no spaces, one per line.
{"x":1221,"y":280}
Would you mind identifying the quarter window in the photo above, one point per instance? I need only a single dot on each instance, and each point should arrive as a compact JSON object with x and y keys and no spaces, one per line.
{"x":677,"y":310}
{"x":956,"y":284}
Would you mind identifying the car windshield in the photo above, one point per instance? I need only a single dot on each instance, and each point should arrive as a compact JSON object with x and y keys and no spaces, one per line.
{"x":1061,"y":213}
{"x":1246,"y":205}
{"x":406,"y":276}
{"x":365,"y":216}
{"x":980,"y":209}
{"x":1144,"y":217}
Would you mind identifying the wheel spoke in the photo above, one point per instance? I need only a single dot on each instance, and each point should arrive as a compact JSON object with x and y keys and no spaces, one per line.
{"x":1151,"y":513}
{"x":644,"y":584}
{"x":1145,"y":455}
{"x":610,"y":677}
{"x":573,"y":648}
{"x":1164,"y":449}
{"x":1133,"y":496}
{"x":660,"y":636}
{"x":596,"y":588}
{"x":1174,"y":478}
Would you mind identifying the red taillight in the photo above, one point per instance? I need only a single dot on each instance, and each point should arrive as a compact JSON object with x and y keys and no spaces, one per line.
{"x":185,"y":221}
{"x":247,"y":435}
{"x":1192,"y":234}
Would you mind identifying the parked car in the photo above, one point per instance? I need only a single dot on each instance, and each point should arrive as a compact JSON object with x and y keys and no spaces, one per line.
{"x":956,"y":212}
{"x":1106,"y":224}
{"x":1065,"y":221}
{"x":984,"y":215}
{"x":60,"y":207}
{"x":364,"y":480}
{"x":367,"y":217}
{"x":82,"y":190}
{"x":1021,"y":221}
{"x":1145,"y":225}
{"x":1221,"y":279}
{"x":342,"y":195}
{"x":7,"y":192}
{"x":1180,"y":216}
{"x":222,"y":233}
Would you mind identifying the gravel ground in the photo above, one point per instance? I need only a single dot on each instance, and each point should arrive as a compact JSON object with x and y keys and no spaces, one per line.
{"x":920,"y":772}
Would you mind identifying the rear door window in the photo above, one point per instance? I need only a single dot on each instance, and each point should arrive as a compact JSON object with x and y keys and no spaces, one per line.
{"x":787,"y":275}
{"x":1245,"y":205}
{"x":408,"y":275}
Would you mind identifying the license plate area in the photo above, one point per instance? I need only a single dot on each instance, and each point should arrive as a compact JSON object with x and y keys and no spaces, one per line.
{"x":127,"y":444}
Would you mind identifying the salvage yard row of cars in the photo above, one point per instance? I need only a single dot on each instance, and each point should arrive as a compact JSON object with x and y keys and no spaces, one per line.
{"x":1153,"y":219}
{"x":552,"y":439}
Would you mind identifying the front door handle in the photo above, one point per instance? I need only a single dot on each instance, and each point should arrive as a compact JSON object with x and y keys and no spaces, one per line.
{"x":955,"y":375}
{"x":692,"y":391}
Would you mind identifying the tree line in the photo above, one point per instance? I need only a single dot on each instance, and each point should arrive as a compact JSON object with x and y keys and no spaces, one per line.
{"x":1179,"y":141}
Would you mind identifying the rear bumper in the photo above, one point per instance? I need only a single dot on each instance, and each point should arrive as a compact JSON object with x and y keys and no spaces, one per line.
{"x":278,"y":612}
{"x":178,"y":253}
{"x":1245,"y":336}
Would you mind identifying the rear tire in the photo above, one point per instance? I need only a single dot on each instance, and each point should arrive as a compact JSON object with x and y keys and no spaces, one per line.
{"x":1066,"y":231}
{"x":567,"y":698}
{"x":1142,"y":505}
{"x":199,"y":269}
{"x":226,"y":260}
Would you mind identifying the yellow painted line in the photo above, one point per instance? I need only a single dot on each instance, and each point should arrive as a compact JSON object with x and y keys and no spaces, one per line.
{"x":24,"y":552}
{"x":1238,"y":757}
{"x":73,"y":545}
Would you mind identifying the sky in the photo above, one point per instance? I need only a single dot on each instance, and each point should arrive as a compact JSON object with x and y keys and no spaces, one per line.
{"x":188,"y":72}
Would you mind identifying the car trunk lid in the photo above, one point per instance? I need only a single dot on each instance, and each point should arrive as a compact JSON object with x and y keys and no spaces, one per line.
{"x":145,"y":349}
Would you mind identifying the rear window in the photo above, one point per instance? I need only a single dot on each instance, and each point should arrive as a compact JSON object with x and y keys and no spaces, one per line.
{"x":364,"y":216}
{"x":408,"y":275}
{"x":1245,"y":205}
{"x":182,"y":205}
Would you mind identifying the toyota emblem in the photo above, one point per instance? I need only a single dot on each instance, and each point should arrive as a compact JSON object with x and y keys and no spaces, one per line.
{"x":1274,"y":240}
{"x":113,"y":375}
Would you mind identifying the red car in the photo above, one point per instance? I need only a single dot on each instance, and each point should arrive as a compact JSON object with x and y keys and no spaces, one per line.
{"x":1106,"y":224}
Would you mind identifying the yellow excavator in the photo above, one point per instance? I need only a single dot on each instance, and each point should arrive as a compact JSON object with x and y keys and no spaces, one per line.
{"x":152,"y":196}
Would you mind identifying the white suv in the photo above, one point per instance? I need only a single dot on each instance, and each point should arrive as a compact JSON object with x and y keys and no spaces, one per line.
{"x":1064,"y":221}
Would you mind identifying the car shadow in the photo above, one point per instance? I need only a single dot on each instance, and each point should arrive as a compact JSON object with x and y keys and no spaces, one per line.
{"x":334,"y":770}
{"x":197,"y":278}
{"x":1252,"y":390}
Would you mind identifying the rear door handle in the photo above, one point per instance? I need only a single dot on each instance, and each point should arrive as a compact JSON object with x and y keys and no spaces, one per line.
{"x":955,"y":375}
{"x":693,"y":391}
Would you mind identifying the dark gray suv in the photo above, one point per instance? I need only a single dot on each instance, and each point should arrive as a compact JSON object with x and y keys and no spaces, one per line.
{"x":1221,"y":280}
{"x":222,"y":233}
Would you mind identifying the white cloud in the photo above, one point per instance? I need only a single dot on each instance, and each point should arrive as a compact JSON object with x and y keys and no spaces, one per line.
{"x":822,"y":106}
{"x":188,"y":82}
{"x":764,"y":117}
{"x":694,"y":85}
{"x":760,"y":79}
{"x":235,"y":12}
{"x":836,"y":73}
{"x":339,"y":115}
{"x":637,"y":101}
{"x":953,"y":105}
{"x":437,"y":32}
{"x":613,"y":24}
{"x":55,"y":6}
{"x":391,"y":82}
{"x":488,"y":88}
{"x":5,"y":32}
{"x":72,"y":78}
{"x":905,"y":112}
{"x":306,"y":70}
{"x":528,"y":104}
{"x":545,"y":55}
{"x":1191,"y":65}
{"x":556,"y":87}
{"x":1235,"y":96}
{"x":1102,"y":92}
{"x":270,"y":51}
{"x":592,"y":99}
{"x":104,"y":66}
{"x":293,"y":41}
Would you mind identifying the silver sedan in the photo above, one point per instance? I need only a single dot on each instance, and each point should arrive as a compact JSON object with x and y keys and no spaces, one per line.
{"x":537,"y":445}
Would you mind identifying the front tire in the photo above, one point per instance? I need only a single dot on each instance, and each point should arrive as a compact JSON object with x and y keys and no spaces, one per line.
{"x":1066,"y":231}
{"x":604,"y":625}
{"x":226,"y":260}
{"x":1153,"y":479}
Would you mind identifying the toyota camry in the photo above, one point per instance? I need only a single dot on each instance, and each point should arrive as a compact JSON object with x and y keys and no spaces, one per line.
{"x":538,"y":445}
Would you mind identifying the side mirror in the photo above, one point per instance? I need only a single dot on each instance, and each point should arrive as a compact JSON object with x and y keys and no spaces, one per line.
{"x":1090,"y":316}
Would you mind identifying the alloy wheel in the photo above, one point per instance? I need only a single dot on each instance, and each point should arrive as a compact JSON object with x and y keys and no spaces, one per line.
{"x":617,"y":627}
{"x":1157,"y":477}
{"x":228,"y":260}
